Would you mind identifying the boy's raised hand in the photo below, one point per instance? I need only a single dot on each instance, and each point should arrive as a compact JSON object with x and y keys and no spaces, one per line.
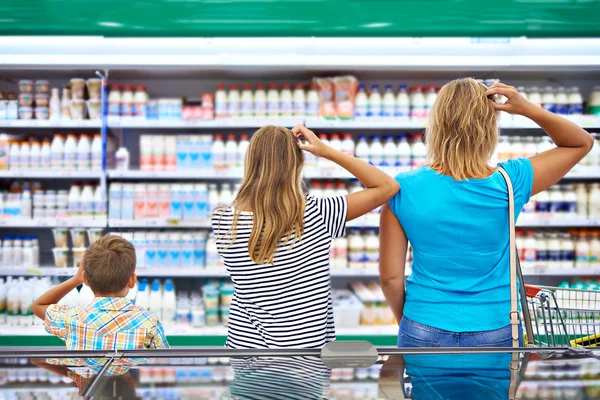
{"x":79,"y":274}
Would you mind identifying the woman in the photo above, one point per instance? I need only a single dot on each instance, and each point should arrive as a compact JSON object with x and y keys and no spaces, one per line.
{"x":454,"y":212}
{"x":275,"y":240}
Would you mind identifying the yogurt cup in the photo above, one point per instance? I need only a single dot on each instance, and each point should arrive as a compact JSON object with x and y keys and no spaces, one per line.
{"x":25,"y":99}
{"x":41,"y":99}
{"x":77,"y":88}
{"x":26,"y":86}
{"x":94,"y":108}
{"x":210,"y":296}
{"x":77,"y":109}
{"x":212,"y":317}
{"x":225,"y":315}
{"x":226,"y":294}
{"x":78,"y":253}
{"x":60,"y":237}
{"x":94,"y":234}
{"x":78,"y":237}
{"x":41,"y":112}
{"x":42,"y":86}
{"x":60,"y":256}
{"x":25,"y":113}
{"x":94,"y":86}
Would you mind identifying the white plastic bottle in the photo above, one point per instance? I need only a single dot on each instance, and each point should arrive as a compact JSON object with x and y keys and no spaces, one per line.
{"x":221,"y":102}
{"x":14,"y":156}
{"x":242,"y":147}
{"x":86,"y":296}
{"x":65,"y":105}
{"x":75,"y":200}
{"x":99,"y":202}
{"x":212,"y":253}
{"x":226,"y":195}
{"x":417,"y":103}
{"x":122,"y":159}
{"x":155,"y":299}
{"x":594,"y":250}
{"x":341,"y":252}
{"x":582,"y":251}
{"x":549,"y":99}
{"x":530,"y":251}
{"x":371,"y":250}
{"x":376,"y":151}
{"x":83,"y":162}
{"x":402,"y":103}
{"x":25,"y":302}
{"x":569,"y":207}
{"x":362,"y":149}
{"x":389,"y":102}
{"x":322,"y":162}
{"x":567,"y":251}
{"x":96,"y":152}
{"x":418,"y":152}
{"x":169,"y":303}
{"x":45,"y":155}
{"x":260,"y":101}
{"x":233,"y":101}
{"x":218,"y":152}
{"x":70,"y":152}
{"x":374,"y":109}
{"x":24,"y":156}
{"x":361,"y":102}
{"x":87,"y":200}
{"x":132,"y":293}
{"x":390,"y":154}
{"x":273,"y":101}
{"x":582,"y":200}
{"x":312,"y":102}
{"x":562,"y":101}
{"x":115,"y":191}
{"x":348,"y":145}
{"x":285,"y":101}
{"x":542,"y":206}
{"x":299,"y":101}
{"x":534,"y":96}
{"x":12,"y":304}
{"x":230,"y":152}
{"x":35,"y":155}
{"x":541,"y":246}
{"x":26,"y":204}
{"x":553,"y":245}
{"x":54,"y":105}
{"x":336,"y":142}
{"x":213,"y":197}
{"x":247,"y":102}
{"x":404,"y":153}
{"x":114,"y":101}
{"x":430,"y":97}
{"x":557,"y":200}
{"x":142,"y":298}
{"x":356,"y":249}
{"x":594,"y":201}
{"x":575,"y":101}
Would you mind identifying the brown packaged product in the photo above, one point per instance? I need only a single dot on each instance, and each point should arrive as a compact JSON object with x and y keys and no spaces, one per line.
{"x":345,"y":92}
{"x":326,"y":97}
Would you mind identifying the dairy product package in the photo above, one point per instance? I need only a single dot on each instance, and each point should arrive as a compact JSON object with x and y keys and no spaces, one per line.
{"x":327,"y":97}
{"x":345,"y":92}
{"x":4,"y":149}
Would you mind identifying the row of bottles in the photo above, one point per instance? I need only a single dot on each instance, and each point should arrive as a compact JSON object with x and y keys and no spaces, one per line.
{"x":17,"y":296}
{"x":559,"y":250}
{"x":19,"y":252}
{"x":565,"y":202}
{"x":415,"y":103}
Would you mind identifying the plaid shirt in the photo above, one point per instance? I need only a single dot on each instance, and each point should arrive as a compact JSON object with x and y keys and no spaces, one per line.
{"x":108,"y":323}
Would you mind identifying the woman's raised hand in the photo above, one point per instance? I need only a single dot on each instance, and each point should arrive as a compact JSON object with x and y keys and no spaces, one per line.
{"x":515,"y":103}
{"x":313,"y":144}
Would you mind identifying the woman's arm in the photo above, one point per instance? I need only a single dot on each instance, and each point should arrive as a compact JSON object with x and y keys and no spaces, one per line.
{"x":392,"y":260}
{"x":380,"y":187}
{"x":572,"y":142}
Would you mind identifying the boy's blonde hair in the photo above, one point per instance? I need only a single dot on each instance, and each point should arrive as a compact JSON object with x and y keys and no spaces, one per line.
{"x":109,"y":263}
{"x":463,"y":130}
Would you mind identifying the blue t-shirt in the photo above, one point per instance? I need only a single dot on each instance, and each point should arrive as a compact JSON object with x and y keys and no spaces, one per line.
{"x":459,"y":234}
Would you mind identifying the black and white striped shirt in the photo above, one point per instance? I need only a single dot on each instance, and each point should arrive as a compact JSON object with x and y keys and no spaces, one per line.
{"x":287,"y":303}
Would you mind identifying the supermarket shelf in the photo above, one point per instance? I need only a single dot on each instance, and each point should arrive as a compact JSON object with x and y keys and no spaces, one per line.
{"x":254,"y":123}
{"x":46,"y":123}
{"x":157,"y":223}
{"x":50,"y":174}
{"x":52,"y":223}
{"x":205,"y":174}
{"x":524,"y":222}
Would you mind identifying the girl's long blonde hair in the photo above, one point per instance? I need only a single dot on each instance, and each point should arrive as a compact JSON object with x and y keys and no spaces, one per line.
{"x":463,"y":130}
{"x":272,"y":189}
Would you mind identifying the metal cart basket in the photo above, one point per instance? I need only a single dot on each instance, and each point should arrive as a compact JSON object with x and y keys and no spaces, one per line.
{"x":562,"y":317}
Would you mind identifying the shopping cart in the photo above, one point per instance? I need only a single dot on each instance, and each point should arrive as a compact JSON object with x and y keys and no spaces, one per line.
{"x":562,"y":317}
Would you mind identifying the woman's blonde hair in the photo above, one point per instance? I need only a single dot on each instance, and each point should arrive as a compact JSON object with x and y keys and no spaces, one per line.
{"x":463,"y":130}
{"x":272,"y":189}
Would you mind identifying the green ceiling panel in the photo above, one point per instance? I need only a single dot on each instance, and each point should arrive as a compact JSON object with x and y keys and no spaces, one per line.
{"x":301,"y":18}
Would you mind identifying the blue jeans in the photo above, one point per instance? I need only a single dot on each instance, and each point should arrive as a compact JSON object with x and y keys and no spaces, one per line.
{"x":414,"y":334}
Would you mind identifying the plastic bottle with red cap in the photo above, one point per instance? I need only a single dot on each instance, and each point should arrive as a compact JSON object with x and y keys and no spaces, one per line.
{"x":221,"y":102}
{"x":272,"y":101}
{"x":285,"y":101}
{"x":299,"y":101}
{"x":247,"y":101}
{"x":233,"y":101}
{"x":260,"y":101}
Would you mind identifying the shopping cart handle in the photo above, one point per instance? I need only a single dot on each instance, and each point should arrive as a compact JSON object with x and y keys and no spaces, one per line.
{"x":532,"y":290}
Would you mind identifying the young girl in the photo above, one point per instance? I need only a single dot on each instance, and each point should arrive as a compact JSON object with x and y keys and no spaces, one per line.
{"x":275,"y":240}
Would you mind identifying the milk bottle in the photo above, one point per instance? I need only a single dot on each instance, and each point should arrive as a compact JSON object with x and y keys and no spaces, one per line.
{"x":534,"y":96}
{"x":312,"y":101}
{"x":594,"y":201}
{"x":567,"y":251}
{"x":529,"y":253}
{"x":575,"y":101}
{"x":169,"y":303}
{"x":404,"y":153}
{"x":218,"y":152}
{"x":233,"y":101}
{"x":582,"y":252}
{"x":75,"y":201}
{"x":390,"y":155}
{"x":299,"y":101}
{"x":87,"y":200}
{"x":371,"y":250}
{"x":241,"y":151}
{"x":273,"y":101}
{"x":155,"y":299}
{"x":45,"y":155}
{"x":176,"y":202}
{"x":114,"y":101}
{"x":376,"y":151}
{"x":226,"y":196}
{"x":582,"y":200}
{"x":389,"y":102}
{"x":213,"y":197}
{"x":247,"y":103}
{"x":260,"y":101}
{"x":142,"y":299}
{"x":341,"y":252}
{"x":201,"y":201}
{"x":348,"y":145}
{"x":562,"y":102}
{"x":543,"y":204}
{"x":57,"y":152}
{"x":70,"y":152}
{"x":595,"y":250}
{"x":374,"y":108}
{"x":361,"y":102}
{"x":83,"y":160}
{"x":418,"y":152}
{"x":542,"y":251}
{"x":402,"y":103}
{"x":221,"y":102}
{"x":417,"y":103}
{"x":127,"y":201}
{"x":522,"y":91}
{"x":127,"y":101}
{"x":549,"y":100}
{"x":322,"y":162}
{"x":556,"y":202}
{"x":529,"y":149}
{"x":212,"y":253}
{"x":362,"y":149}
{"x":554,"y":251}
{"x":336,"y":142}
{"x":341,"y":189}
{"x":230,"y":152}
{"x":356,"y":249}
{"x":430,"y":99}
{"x":329,"y":190}
{"x":569,"y":207}
{"x":139,"y":206}
{"x":316,"y":190}
{"x":114,"y":196}
{"x":189,"y":202}
{"x":285,"y":101}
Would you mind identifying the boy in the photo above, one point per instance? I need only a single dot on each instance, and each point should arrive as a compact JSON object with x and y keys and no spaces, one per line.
{"x":111,"y":321}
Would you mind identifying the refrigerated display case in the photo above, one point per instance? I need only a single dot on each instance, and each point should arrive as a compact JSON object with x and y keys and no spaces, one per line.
{"x":354,"y":371}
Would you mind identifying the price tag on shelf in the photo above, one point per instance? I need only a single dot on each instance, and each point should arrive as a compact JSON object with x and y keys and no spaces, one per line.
{"x":588,"y":120}
{"x":173,"y":222}
{"x":64,"y":271}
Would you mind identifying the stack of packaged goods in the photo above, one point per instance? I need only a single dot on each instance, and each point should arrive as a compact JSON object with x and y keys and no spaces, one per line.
{"x":78,"y":244}
{"x":375,"y":309}
{"x":20,"y":252}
